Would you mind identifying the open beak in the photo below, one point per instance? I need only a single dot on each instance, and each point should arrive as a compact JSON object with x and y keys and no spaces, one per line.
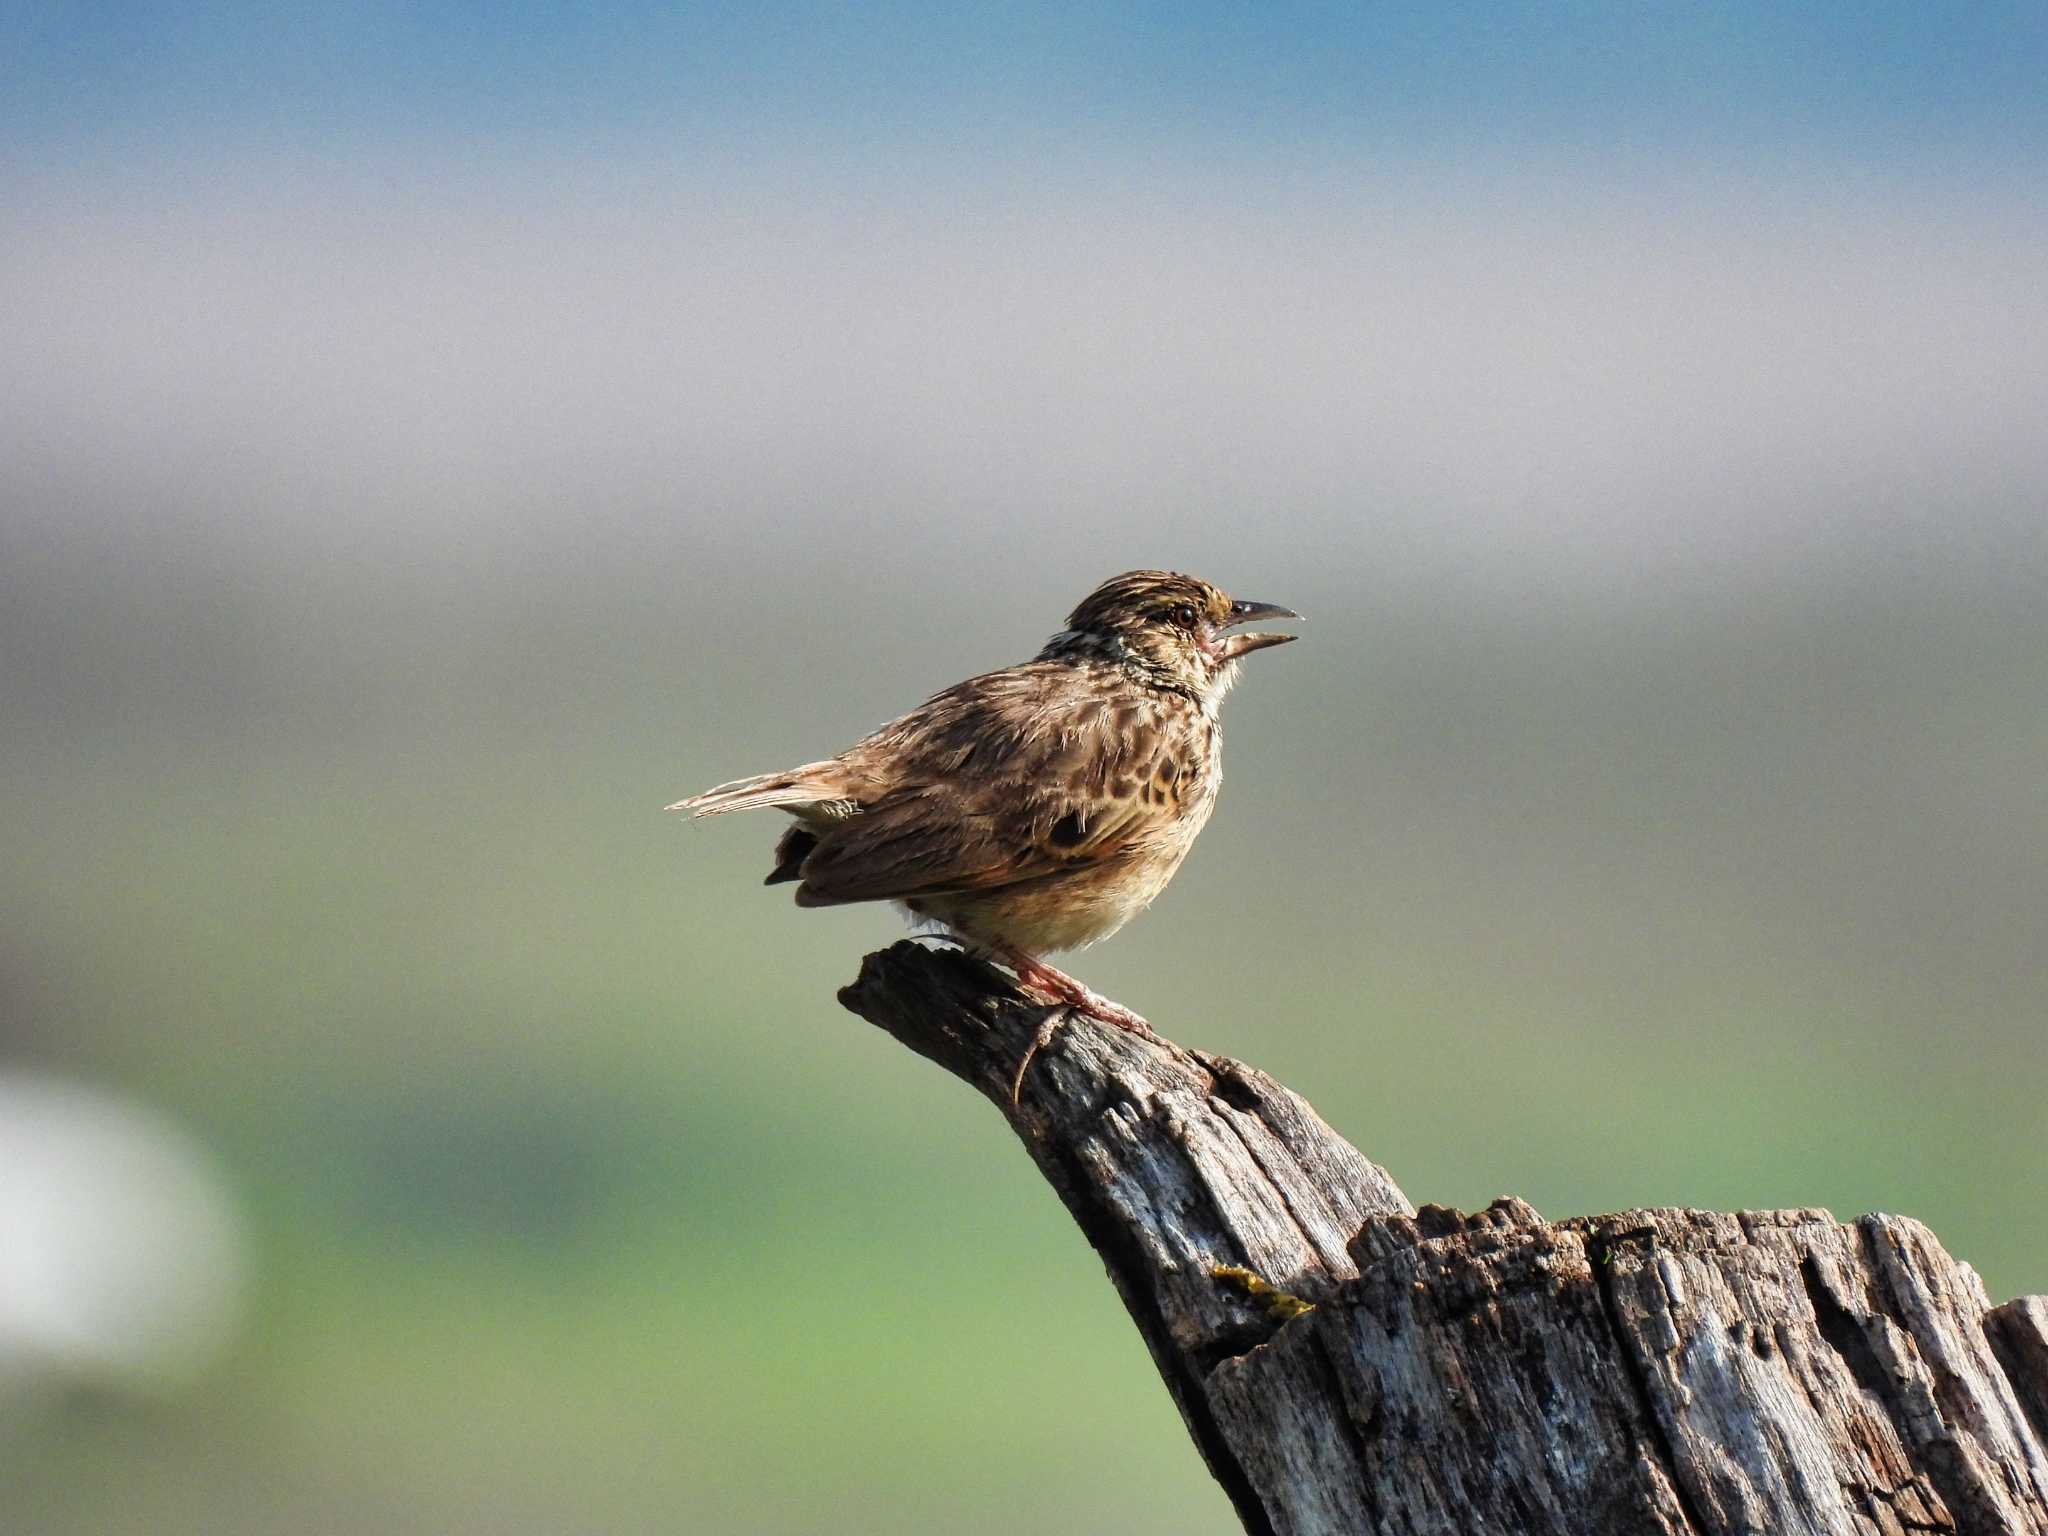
{"x":1253,"y":613}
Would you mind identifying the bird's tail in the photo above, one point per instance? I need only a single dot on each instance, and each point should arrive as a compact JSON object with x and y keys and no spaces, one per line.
{"x":808,"y":785}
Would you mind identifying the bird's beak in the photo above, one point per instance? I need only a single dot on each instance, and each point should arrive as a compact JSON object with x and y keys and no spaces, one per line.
{"x":1252,"y":613}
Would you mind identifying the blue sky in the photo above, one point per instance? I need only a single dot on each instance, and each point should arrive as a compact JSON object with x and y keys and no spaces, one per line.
{"x":1624,"y":285}
{"x":1875,"y":82}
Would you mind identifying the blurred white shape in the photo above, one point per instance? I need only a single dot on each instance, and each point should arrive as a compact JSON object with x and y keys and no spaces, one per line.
{"x":122,"y":1258}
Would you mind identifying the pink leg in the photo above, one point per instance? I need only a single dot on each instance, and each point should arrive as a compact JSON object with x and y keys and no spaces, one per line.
{"x":1036,"y":976}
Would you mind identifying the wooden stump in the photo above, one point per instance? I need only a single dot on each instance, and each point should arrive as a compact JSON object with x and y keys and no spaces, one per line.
{"x":1347,"y":1363}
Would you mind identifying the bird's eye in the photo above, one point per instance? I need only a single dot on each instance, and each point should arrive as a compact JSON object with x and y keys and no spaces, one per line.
{"x":1184,"y":616}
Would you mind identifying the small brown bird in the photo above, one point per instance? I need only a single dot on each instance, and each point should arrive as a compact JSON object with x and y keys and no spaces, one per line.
{"x":1038,"y":808}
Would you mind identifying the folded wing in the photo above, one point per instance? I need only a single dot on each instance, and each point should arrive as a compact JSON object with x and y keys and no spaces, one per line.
{"x":1059,"y":781}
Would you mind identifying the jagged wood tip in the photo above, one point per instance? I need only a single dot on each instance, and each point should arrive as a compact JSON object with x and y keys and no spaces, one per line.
{"x":1648,"y":1373}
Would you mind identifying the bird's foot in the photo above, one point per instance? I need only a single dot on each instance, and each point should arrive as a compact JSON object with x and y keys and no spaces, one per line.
{"x":1096,"y":1006}
{"x":1056,"y":986}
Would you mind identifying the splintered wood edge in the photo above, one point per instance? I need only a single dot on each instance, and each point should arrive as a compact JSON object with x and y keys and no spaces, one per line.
{"x":1187,"y":1160}
{"x":1670,"y":1372}
{"x":1175,"y":1164}
{"x":1187,"y":1171}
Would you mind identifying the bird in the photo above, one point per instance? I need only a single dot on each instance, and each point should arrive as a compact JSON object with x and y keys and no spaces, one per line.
{"x":1035,"y":809}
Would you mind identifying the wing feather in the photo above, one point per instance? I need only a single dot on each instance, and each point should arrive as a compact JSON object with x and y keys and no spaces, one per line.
{"x":1059,"y":781}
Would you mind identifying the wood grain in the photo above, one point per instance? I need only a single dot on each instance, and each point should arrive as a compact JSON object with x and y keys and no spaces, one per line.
{"x":1648,"y":1372}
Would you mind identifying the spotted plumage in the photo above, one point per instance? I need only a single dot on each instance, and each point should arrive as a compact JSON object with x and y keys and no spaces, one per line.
{"x":1038,"y":808}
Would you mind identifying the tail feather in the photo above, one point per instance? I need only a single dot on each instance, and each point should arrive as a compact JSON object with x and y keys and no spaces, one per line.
{"x":807,"y":785}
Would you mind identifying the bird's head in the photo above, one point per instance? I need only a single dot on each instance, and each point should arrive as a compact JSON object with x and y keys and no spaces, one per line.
{"x":1179,"y":628}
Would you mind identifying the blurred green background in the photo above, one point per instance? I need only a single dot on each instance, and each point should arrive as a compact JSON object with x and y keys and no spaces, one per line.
{"x":425,"y":454}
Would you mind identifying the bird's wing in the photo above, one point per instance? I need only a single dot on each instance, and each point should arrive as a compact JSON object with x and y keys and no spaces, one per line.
{"x":1008,"y":778}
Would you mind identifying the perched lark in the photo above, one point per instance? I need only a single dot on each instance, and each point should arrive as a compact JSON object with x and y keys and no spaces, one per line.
{"x":1038,"y":808}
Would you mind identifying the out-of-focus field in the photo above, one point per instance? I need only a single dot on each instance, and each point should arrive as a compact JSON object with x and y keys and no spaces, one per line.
{"x":578,"y":1204}
{"x":1652,"y":813}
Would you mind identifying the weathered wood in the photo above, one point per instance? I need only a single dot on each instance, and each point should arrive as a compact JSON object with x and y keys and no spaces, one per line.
{"x":1172,"y":1162}
{"x":1653,"y":1373}
{"x":2019,"y":1337}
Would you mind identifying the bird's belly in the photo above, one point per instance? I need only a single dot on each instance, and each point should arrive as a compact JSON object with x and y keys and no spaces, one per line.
{"x":1068,"y":911}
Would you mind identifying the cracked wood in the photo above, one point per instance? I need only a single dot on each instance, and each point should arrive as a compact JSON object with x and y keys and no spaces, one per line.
{"x":1653,"y":1373}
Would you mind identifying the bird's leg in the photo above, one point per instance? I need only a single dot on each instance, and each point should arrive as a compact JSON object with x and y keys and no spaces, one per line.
{"x":1035,"y":975}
